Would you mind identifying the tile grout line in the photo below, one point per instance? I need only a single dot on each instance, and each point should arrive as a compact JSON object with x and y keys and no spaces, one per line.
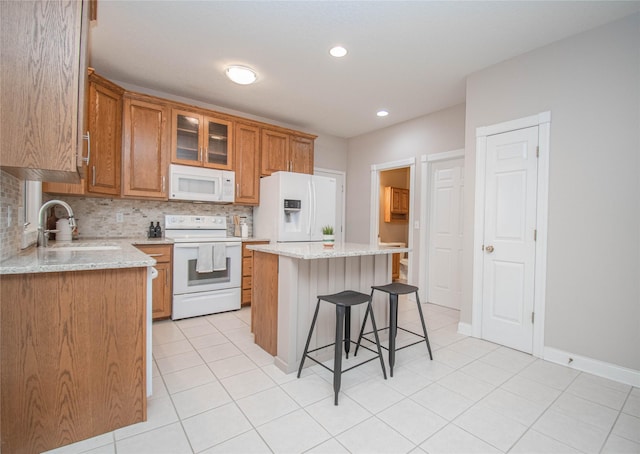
{"x":616,"y":420}
{"x":542,"y":414}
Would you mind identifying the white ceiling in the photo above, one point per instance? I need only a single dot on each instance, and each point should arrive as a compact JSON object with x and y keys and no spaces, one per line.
{"x":410,"y":58}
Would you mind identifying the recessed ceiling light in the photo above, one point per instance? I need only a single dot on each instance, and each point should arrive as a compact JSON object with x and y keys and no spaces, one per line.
{"x":338,"y":51}
{"x":241,"y":74}
{"x":382,"y":113}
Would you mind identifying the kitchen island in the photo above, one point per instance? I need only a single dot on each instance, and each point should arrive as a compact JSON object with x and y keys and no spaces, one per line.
{"x":288,"y":277}
{"x":74,"y":322}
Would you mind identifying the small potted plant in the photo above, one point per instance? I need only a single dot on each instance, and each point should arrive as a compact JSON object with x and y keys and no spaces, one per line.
{"x":327,"y":236}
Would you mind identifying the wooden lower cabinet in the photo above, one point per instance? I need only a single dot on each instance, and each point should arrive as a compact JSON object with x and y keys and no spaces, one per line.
{"x":264,"y":306}
{"x":395,"y":269}
{"x":73,"y":356}
{"x":162,"y":285}
{"x":247,"y":271}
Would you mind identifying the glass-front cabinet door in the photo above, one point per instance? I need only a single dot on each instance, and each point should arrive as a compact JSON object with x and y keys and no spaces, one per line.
{"x":187,"y":145}
{"x":199,"y":140}
{"x":218,"y":143}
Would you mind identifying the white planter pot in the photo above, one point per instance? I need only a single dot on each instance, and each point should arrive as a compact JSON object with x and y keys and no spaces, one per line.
{"x":328,"y":240}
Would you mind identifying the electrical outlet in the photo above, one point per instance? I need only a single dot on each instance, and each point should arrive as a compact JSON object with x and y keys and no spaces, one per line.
{"x":119,"y":217}
{"x":416,"y":224}
{"x":9,"y":216}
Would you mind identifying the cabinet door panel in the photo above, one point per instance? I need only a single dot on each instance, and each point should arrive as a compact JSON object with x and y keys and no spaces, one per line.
{"x":186,"y":140}
{"x":145,"y":149}
{"x":105,"y":127}
{"x":43,"y":83}
{"x":247,"y":164}
{"x":301,"y":155}
{"x":275,"y":152}
{"x":218,"y":143}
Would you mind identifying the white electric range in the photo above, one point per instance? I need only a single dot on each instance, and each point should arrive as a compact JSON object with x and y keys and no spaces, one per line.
{"x":206,"y":292}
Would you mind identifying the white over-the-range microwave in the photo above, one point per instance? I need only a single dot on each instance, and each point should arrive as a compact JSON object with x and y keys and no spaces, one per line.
{"x":201,"y":184}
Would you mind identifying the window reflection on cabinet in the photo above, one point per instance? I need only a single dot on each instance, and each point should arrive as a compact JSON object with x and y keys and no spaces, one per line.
{"x":199,"y":140}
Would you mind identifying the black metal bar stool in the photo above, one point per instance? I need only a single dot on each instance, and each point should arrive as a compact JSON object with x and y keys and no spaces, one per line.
{"x":394,"y":290}
{"x":343,"y":302}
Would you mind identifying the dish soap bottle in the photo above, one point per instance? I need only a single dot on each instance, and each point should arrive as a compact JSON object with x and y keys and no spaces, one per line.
{"x":152,"y":231}
{"x":158,"y":230}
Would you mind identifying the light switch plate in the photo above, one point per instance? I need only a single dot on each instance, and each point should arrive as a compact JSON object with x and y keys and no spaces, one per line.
{"x":119,"y":217}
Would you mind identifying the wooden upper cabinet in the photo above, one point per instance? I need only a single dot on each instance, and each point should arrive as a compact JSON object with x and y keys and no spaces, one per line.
{"x":275,"y":152}
{"x":42,"y":87}
{"x":105,"y":129}
{"x":396,"y":204}
{"x":145,"y":149}
{"x":247,"y":163}
{"x":282,"y":151}
{"x":104,"y":121}
{"x":301,"y":149}
{"x":201,"y":140}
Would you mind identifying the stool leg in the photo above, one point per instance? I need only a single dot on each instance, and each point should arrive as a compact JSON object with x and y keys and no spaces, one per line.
{"x":375,"y":333}
{"x":424,"y":327}
{"x":364,"y":322}
{"x":306,"y":347}
{"x":347,"y":330}
{"x":393,"y":328}
{"x":337,"y":357}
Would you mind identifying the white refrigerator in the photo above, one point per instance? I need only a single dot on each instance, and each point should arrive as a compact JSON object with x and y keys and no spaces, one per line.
{"x":294,"y":207}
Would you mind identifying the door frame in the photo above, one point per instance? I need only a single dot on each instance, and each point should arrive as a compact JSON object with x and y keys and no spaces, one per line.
{"x":375,"y":201}
{"x":426,"y":167}
{"x":343,"y":175}
{"x":543,"y":122}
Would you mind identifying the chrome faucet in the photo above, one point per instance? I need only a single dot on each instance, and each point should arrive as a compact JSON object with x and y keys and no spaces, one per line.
{"x":43,"y":233}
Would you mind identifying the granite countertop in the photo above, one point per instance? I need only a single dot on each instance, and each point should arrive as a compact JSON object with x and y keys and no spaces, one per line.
{"x":79,"y":255}
{"x":251,"y":239}
{"x":309,"y":251}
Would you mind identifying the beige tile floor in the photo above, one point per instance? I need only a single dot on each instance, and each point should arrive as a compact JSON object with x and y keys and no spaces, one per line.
{"x":215,"y":391}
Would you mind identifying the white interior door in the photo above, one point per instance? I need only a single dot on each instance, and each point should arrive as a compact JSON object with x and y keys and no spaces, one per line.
{"x":509,"y":238}
{"x":445,"y":227}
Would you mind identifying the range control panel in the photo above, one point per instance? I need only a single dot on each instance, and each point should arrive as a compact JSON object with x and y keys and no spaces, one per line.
{"x":173,"y":222}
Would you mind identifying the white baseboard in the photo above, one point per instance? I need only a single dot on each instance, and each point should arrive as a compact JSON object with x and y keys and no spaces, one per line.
{"x":592,"y":366}
{"x":464,"y":328}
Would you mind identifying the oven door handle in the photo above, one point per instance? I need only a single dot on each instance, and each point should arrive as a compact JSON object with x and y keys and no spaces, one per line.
{"x":196,"y":245}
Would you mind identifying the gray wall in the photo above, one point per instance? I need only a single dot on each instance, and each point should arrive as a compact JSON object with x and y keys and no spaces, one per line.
{"x":434,"y":133}
{"x":591,"y":85}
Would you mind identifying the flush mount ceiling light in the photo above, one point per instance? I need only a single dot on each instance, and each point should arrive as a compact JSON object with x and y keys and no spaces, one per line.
{"x":338,"y":51}
{"x":382,"y":113}
{"x":241,"y":74}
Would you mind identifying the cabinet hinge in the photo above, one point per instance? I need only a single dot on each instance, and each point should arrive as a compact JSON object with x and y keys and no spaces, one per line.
{"x":535,"y":235}
{"x":532,"y":316}
{"x":537,"y":151}
{"x":483,"y":247}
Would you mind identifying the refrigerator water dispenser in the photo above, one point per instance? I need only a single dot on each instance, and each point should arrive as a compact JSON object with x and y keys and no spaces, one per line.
{"x":292,"y":215}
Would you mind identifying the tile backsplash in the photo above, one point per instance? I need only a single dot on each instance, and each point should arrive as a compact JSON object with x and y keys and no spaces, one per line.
{"x":11,"y":215}
{"x":98,"y":217}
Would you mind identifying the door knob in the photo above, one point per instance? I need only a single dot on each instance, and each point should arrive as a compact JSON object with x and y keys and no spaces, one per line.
{"x":489,"y":249}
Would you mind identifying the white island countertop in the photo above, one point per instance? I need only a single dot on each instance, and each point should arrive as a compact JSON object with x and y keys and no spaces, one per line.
{"x":310,"y":251}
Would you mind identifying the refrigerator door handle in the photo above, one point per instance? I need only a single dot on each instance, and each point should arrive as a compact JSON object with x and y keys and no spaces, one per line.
{"x":309,"y":192}
{"x":315,"y":208}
